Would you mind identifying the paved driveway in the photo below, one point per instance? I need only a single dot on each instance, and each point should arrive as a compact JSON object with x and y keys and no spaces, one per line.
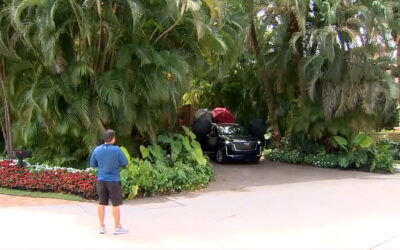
{"x":268,"y":205}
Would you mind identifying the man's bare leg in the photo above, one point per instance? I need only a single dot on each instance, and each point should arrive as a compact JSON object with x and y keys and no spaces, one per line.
{"x":100,"y":211}
{"x":116,"y":214}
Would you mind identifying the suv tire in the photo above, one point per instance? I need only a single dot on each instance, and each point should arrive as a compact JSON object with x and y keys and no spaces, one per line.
{"x":220,"y":156}
{"x":256,"y":160}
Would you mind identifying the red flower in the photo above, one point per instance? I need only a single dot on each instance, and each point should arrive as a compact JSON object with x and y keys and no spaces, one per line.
{"x":47,"y":180}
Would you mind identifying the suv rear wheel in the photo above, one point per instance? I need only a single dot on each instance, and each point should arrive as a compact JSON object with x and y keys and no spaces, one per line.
{"x":220,"y":157}
{"x":256,"y":160}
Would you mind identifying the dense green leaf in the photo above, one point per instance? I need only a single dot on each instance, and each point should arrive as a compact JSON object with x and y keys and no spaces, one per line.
{"x":363,"y":140}
{"x":160,"y":173}
{"x":145,"y":151}
{"x":344,"y":161}
{"x":342,"y":142}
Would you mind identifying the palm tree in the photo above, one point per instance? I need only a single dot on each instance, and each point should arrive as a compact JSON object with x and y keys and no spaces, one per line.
{"x":393,"y":12}
{"x":351,"y":63}
{"x":326,"y":38}
{"x":8,"y":57}
{"x":123,"y":64}
{"x":254,"y":41}
{"x":322,"y":54}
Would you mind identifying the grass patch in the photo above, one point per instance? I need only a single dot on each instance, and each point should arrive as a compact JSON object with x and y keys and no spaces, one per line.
{"x":37,"y":194}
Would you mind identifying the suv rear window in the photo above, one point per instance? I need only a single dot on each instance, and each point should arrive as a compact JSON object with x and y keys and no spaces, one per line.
{"x":231,"y":130}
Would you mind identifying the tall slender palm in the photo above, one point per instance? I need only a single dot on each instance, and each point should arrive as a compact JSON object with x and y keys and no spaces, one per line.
{"x":393,"y":12}
{"x":8,"y":58}
{"x":263,"y":75}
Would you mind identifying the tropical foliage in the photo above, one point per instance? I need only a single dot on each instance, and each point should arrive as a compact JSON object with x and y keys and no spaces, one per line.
{"x":74,"y":68}
{"x":174,"y":163}
{"x":327,"y":66}
{"x":361,"y":151}
{"x":315,"y":69}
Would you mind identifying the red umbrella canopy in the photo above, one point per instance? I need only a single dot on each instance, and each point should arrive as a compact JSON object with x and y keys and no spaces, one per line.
{"x":223,"y":115}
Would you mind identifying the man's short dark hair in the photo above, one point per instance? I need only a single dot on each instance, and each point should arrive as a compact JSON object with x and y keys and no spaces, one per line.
{"x":108,"y":135}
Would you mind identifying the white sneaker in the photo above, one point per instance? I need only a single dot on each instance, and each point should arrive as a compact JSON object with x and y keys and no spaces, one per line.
{"x":120,"y":230}
{"x":102,"y":230}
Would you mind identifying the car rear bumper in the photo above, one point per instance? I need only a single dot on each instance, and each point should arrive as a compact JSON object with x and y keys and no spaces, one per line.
{"x":241,"y":157}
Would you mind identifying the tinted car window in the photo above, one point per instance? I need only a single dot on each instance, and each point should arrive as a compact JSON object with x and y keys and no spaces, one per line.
{"x":214,"y":131}
{"x":231,"y":130}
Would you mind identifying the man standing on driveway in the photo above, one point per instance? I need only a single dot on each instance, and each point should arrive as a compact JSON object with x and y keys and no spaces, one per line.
{"x":108,"y":159}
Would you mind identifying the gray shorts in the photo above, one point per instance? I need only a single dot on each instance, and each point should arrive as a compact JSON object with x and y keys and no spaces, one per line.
{"x":109,"y":190}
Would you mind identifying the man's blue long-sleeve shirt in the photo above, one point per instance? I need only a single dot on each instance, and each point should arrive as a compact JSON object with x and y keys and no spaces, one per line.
{"x":108,"y":158}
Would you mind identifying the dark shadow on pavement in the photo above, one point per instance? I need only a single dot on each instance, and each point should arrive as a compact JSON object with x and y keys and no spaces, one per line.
{"x":240,"y":176}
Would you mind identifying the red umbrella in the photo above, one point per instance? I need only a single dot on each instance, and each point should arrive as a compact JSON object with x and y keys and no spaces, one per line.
{"x":222,"y":115}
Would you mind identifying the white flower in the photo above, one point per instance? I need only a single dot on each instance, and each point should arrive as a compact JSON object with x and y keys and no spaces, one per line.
{"x":41,"y":167}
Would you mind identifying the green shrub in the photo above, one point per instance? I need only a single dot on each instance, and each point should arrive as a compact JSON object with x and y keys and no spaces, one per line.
{"x":323,"y":161}
{"x":173,"y":163}
{"x":362,"y":150}
{"x":286,"y":155}
{"x":389,"y":137}
{"x":382,"y":157}
{"x":396,"y":149}
{"x":365,"y":151}
{"x":393,"y":140}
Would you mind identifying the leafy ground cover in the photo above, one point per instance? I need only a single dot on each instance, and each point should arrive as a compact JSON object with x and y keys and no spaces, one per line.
{"x":173,"y":163}
{"x":361,"y":151}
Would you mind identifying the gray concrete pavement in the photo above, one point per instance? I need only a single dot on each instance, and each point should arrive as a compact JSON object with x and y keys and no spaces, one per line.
{"x":264,"y":206}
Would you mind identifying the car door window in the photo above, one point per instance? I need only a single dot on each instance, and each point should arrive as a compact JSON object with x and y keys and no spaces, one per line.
{"x":214,"y":132}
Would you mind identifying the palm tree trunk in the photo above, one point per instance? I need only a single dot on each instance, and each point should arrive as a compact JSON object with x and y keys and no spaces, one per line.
{"x":292,"y":29}
{"x":302,"y":77}
{"x":398,"y":68}
{"x":267,"y":84}
{"x":7,"y":120}
{"x":8,"y":133}
{"x":398,"y":58}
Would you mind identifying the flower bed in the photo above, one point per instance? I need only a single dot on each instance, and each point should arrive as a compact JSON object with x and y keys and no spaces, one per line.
{"x":175,"y":164}
{"x":48,"y":179}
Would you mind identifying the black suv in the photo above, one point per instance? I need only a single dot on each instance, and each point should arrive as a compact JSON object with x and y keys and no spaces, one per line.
{"x":229,"y":141}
